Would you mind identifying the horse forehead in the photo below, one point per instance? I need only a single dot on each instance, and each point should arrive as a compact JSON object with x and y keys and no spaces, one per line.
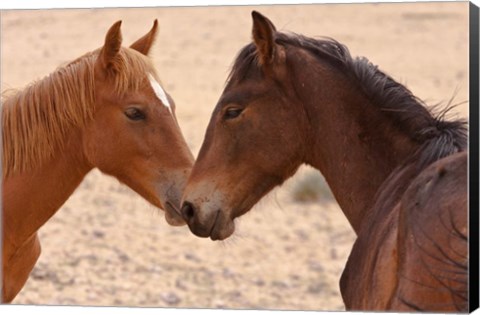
{"x":159,"y":92}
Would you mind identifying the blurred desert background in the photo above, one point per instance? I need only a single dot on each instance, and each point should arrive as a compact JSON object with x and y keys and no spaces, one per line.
{"x":106,"y":246}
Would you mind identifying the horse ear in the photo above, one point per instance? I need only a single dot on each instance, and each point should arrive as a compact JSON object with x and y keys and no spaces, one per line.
{"x":263,"y":33}
{"x":144,"y":44}
{"x":111,"y":47}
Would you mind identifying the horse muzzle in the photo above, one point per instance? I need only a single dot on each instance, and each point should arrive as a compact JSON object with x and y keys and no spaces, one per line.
{"x":214,"y":224}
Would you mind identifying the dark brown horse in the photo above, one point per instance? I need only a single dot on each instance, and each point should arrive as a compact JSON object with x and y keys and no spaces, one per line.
{"x":104,"y":110}
{"x":398,"y":171}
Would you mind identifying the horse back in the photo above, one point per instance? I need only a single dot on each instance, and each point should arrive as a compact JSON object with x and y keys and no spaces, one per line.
{"x":432,"y":239}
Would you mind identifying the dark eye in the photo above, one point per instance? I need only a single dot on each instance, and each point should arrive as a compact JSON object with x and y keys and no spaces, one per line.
{"x":134,"y":114}
{"x":233,"y":112}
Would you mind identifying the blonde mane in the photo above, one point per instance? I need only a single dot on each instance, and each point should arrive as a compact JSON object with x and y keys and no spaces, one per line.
{"x":37,"y":119}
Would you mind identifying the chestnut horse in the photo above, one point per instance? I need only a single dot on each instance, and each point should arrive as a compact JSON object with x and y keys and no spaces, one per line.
{"x":105,"y":109}
{"x":398,"y":172}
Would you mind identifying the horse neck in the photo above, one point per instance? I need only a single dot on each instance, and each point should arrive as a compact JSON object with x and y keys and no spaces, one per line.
{"x":32,"y":197}
{"x":353,"y":145}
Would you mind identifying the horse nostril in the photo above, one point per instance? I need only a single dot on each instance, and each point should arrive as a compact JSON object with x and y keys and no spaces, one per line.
{"x":188,"y":211}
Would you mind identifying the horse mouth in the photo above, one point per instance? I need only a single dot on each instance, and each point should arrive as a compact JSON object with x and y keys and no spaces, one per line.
{"x":213,"y":235}
{"x":172,"y":215}
{"x":222,"y":227}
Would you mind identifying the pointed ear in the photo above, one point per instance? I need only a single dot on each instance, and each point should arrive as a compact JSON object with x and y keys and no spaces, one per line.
{"x":144,"y":44}
{"x":263,"y":33}
{"x":109,"y":51}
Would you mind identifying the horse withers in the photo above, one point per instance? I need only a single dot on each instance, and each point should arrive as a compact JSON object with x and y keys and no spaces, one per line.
{"x":397,"y":169}
{"x":105,"y":110}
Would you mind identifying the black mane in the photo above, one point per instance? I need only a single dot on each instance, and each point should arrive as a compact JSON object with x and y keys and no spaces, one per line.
{"x":440,"y":137}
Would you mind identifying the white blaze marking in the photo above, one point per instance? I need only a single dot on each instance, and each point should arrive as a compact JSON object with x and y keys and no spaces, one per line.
{"x":159,"y":92}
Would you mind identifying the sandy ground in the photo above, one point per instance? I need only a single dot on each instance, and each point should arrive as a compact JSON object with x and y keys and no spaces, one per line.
{"x":106,"y":246}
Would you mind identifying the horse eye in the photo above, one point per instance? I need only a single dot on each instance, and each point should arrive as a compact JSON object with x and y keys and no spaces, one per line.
{"x":233,"y":113}
{"x":134,"y":114}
